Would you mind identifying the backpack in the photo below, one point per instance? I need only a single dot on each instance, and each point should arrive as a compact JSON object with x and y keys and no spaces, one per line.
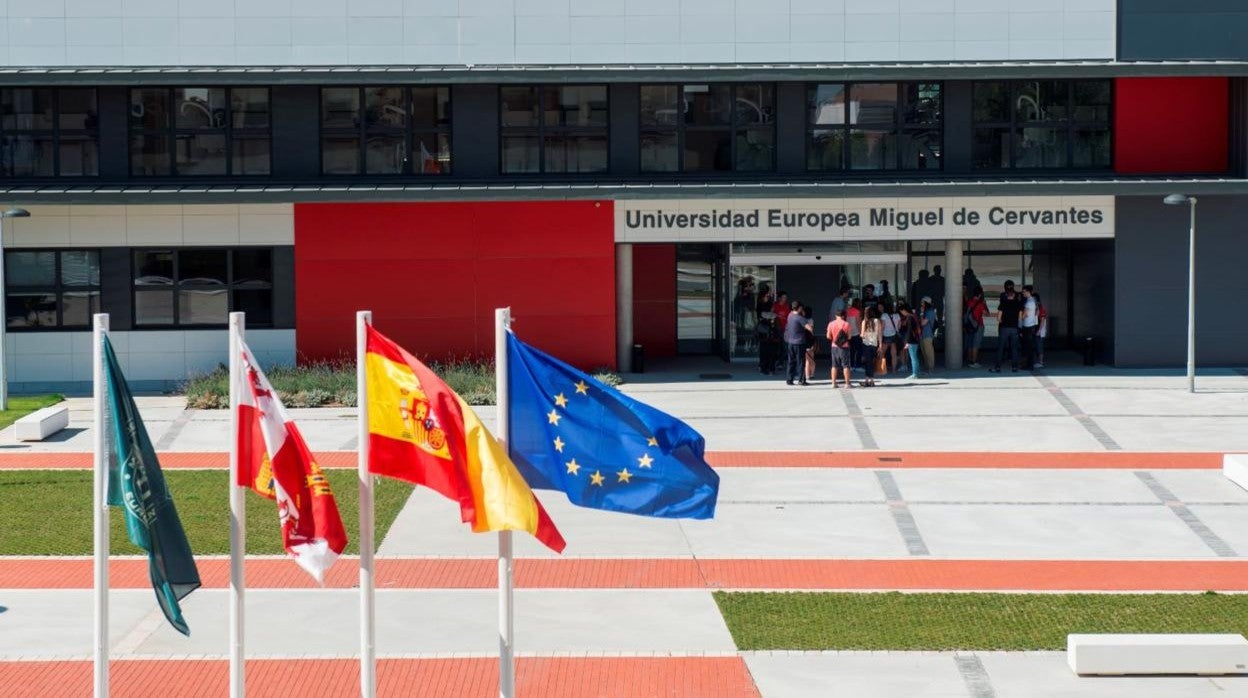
{"x":969,"y":325}
{"x":842,"y":339}
{"x":914,"y":330}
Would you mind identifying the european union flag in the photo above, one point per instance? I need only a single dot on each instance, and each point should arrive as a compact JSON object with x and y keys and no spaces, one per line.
{"x":602,"y":448}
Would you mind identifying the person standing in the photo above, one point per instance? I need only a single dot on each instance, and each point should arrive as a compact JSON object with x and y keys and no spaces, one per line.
{"x":782,"y":309}
{"x":919,"y":288}
{"x":888,"y":325}
{"x":768,"y":343}
{"x":808,"y":318}
{"x":871,"y":343}
{"x":936,"y":288}
{"x":853,"y":315}
{"x":1028,"y":326}
{"x":1042,"y":331}
{"x":838,"y":335}
{"x":1009,"y":310}
{"x":911,"y":333}
{"x":795,"y":346}
{"x":841,"y":303}
{"x":927,"y":321}
{"x":973,"y":325}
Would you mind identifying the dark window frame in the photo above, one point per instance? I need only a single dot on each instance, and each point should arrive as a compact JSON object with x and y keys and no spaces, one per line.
{"x":56,"y":132}
{"x":541,"y":130}
{"x":231,"y":286}
{"x":57,"y":289}
{"x":1071,"y":125}
{"x":899,"y":127}
{"x":172,"y":132}
{"x":680,"y":128}
{"x":410,"y":131}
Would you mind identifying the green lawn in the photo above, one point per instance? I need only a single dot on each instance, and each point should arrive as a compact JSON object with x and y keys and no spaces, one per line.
{"x":978,"y":621}
{"x":48,"y":512}
{"x":22,"y":405}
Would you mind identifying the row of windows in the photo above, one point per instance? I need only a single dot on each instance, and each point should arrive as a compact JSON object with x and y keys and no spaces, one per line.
{"x":169,"y":287}
{"x":685,"y":128}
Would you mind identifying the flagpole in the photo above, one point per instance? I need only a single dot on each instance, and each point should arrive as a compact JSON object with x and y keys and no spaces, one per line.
{"x":238,"y":516}
{"x":368,"y":609}
{"x":506,"y":608}
{"x":99,"y":506}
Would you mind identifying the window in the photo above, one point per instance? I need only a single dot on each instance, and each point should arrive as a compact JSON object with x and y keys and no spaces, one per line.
{"x":553,"y":128}
{"x":1055,"y":124}
{"x":48,"y":132}
{"x":51,"y":288}
{"x":873,"y":126}
{"x":201,"y":286}
{"x":199,"y":131}
{"x":708,"y":128}
{"x":385,"y":130}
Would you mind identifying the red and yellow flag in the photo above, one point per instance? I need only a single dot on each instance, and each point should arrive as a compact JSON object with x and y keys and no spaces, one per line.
{"x":421,"y":431}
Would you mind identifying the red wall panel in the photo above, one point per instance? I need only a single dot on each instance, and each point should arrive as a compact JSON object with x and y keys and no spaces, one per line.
{"x":654,"y":299}
{"x":1171,"y":125}
{"x":433,"y":273}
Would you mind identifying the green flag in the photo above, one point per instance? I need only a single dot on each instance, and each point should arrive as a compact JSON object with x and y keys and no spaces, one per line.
{"x":136,"y":484}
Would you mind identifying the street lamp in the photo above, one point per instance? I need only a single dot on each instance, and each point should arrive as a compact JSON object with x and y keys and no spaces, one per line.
{"x":1179,"y":200}
{"x":4,"y":322}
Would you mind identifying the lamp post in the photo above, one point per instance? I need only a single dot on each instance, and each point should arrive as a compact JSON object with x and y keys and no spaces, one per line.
{"x":1179,"y":200}
{"x":4,"y":322}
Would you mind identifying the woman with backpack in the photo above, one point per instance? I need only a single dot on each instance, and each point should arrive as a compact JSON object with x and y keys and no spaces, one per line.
{"x":911,"y":333}
{"x":973,"y":325}
{"x":888,"y":332}
{"x":871,"y":344}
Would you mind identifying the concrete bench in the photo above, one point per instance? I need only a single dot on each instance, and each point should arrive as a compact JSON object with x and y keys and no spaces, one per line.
{"x":43,"y":423}
{"x":1121,"y":655}
{"x":1235,"y":468}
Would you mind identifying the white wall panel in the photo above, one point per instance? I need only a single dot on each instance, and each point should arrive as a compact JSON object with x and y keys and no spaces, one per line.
{"x":318,"y":32}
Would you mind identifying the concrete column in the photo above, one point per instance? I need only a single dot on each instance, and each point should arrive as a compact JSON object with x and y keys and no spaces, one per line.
{"x":624,"y":307}
{"x":953,"y":303}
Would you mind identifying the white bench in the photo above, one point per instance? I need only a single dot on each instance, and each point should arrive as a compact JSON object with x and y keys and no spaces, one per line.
{"x":41,"y":424}
{"x":1121,"y":655}
{"x":1235,"y":468}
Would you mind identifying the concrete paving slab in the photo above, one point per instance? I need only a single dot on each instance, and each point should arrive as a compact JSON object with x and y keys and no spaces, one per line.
{"x":1159,"y":403}
{"x":1069,"y":532}
{"x":939,"y":485}
{"x":784,"y":401}
{"x":938,"y":400}
{"x":796,"y":531}
{"x":1196,"y":486}
{"x":798,"y":485}
{"x":1178,"y":433}
{"x":198,"y":435}
{"x":1230,"y":523}
{"x":958,"y":433}
{"x":1046,"y":675}
{"x":60,"y":622}
{"x":875,"y":674}
{"x":786,"y":433}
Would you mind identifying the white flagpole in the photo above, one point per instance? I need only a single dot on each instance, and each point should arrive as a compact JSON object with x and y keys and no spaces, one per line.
{"x":368,"y":608}
{"x":99,"y":505}
{"x":238,"y":515}
{"x":506,"y":611}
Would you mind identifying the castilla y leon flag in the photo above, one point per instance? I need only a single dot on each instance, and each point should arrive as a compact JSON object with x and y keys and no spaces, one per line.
{"x":421,"y":431}
{"x":274,"y":461}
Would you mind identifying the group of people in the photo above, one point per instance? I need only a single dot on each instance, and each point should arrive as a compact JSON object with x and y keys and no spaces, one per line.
{"x":1022,"y":325}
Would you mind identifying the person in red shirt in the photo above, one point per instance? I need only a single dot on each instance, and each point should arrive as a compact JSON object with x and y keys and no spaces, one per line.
{"x":974,"y":314}
{"x":782,"y":310}
{"x":838,"y":335}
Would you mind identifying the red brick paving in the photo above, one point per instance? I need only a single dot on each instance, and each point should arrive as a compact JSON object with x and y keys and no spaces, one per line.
{"x":173,"y":460}
{"x":902,"y":574}
{"x":536,"y":677}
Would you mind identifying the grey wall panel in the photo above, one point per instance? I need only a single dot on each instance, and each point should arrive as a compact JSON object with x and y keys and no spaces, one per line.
{"x":114,"y":113}
{"x":791,"y":127}
{"x":1150,"y":289}
{"x":115,"y":289}
{"x":1182,"y":29}
{"x":474,"y":130}
{"x":284,"y":287}
{"x":624,"y":101}
{"x":296,"y":132}
{"x":956,"y":150}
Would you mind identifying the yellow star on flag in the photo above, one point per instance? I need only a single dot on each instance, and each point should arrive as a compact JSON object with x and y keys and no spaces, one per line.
{"x":652,"y":441}
{"x":596,"y":478}
{"x":624,"y":475}
{"x":645,"y":461}
{"x":553,"y":418}
{"x":574,"y":468}
{"x":582,"y":388}
{"x":559,"y":444}
{"x":560,"y":400}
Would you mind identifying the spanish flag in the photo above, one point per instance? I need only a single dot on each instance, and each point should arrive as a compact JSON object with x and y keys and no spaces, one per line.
{"x":421,"y":431}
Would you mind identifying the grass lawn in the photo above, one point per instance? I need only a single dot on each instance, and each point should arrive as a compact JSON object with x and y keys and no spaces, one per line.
{"x":48,"y":512}
{"x":978,"y":621}
{"x":22,"y":405}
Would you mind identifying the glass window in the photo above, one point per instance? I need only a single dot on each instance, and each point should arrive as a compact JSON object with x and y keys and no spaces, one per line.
{"x":51,"y":288}
{"x":46,"y":132}
{"x":200,"y":131}
{"x":708,"y":127}
{"x":1042,"y":124}
{"x":202,"y":286}
{"x":385,"y":130}
{"x":553,"y":128}
{"x":873,"y":126}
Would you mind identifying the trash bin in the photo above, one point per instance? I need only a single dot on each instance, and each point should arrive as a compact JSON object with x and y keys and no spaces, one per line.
{"x":1089,"y":351}
{"x":639,"y":359}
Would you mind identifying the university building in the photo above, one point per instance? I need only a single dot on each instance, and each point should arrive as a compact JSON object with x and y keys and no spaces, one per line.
{"x":617,"y":171}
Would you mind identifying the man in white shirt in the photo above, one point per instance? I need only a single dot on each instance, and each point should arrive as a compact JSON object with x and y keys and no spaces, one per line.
{"x":1028,"y":324}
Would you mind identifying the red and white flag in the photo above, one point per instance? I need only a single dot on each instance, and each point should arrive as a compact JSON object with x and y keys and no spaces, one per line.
{"x":275,"y":462}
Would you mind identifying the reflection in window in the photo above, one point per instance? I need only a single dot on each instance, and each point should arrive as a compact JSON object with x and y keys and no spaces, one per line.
{"x":385,"y":130}
{"x":200,"y":131}
{"x":553,"y":128}
{"x":49,"y":289}
{"x":708,"y":128}
{"x":1041,"y":124}
{"x":47,"y":132}
{"x":202,"y":286}
{"x":873,"y":126}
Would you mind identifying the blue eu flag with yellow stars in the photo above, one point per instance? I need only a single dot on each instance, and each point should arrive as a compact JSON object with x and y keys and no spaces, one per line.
{"x":602,"y":448}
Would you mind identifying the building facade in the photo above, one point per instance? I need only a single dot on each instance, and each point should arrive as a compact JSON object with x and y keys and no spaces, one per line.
{"x":618,"y":172}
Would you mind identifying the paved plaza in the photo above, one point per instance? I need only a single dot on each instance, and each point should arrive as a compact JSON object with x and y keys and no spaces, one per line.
{"x":1077,"y":480}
